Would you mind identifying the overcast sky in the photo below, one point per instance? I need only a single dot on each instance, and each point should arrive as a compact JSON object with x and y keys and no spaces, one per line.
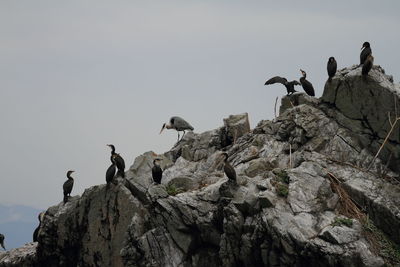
{"x":77,"y":75}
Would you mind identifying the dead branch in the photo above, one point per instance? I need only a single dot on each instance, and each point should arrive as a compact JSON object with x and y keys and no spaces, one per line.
{"x":384,"y":142}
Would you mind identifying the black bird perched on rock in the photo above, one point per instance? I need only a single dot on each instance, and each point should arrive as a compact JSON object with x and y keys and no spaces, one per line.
{"x":67,"y":187}
{"x":178,"y":124}
{"x":2,"y":241}
{"x":36,"y":232}
{"x":119,"y":161}
{"x":331,"y":67}
{"x":307,"y":86}
{"x":156,"y":171}
{"x":367,"y":66}
{"x":228,"y":169}
{"x":289,"y":85}
{"x":365,"y":52}
{"x":110,"y":173}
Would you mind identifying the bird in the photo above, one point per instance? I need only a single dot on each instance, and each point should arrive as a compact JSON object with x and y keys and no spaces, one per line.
{"x":331,"y":67}
{"x":228,"y":169}
{"x":367,"y":66}
{"x":36,"y":232}
{"x":156,"y":171}
{"x":67,"y":187}
{"x":110,"y":173}
{"x":119,"y":161}
{"x":365,"y":52}
{"x":178,"y":124}
{"x":2,"y":241}
{"x":307,"y":86}
{"x":289,"y":85}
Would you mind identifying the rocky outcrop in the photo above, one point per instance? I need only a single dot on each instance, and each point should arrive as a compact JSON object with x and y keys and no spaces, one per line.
{"x":366,"y":106}
{"x":20,"y":257}
{"x":282,"y":211}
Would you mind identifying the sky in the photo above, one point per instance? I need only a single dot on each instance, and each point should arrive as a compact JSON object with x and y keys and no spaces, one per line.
{"x":77,"y":75}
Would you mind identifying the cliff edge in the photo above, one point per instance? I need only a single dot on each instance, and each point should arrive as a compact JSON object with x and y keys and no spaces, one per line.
{"x":309,"y":192}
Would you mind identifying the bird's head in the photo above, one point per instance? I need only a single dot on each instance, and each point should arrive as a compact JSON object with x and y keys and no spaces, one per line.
{"x":365,"y":45}
{"x":163,"y":127}
{"x":69,"y":173}
{"x":303,"y":72}
{"x":156,"y":161}
{"x":111,"y":146}
{"x":331,"y":59}
{"x":224,"y":156}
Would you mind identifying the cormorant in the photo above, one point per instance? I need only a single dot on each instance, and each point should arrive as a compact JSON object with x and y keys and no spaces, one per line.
{"x":110,"y":173}
{"x":289,"y":85}
{"x":119,"y":161}
{"x":2,"y":241}
{"x":36,"y":233}
{"x":67,"y":187}
{"x":367,"y":66}
{"x":307,"y":86}
{"x":228,"y":169}
{"x":156,"y":171}
{"x":365,"y":52}
{"x":331,"y":67}
{"x":178,"y":124}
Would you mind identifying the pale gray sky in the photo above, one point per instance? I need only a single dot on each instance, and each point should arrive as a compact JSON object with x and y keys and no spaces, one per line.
{"x":76,"y":75}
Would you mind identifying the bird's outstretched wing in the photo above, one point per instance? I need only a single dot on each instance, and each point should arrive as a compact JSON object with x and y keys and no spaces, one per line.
{"x":276,"y":79}
{"x":295,"y":82}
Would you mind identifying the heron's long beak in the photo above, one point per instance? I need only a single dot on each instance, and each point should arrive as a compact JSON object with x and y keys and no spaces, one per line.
{"x":162,"y":129}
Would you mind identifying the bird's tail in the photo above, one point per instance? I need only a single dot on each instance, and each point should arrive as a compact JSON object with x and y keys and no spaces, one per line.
{"x":65,"y":199}
{"x":329,"y":79}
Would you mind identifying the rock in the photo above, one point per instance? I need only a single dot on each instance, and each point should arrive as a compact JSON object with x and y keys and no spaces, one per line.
{"x":296,"y":99}
{"x":236,"y":126}
{"x":267,"y":199}
{"x":213,"y":221}
{"x":20,"y":257}
{"x":364,"y":107}
{"x":340,"y":234}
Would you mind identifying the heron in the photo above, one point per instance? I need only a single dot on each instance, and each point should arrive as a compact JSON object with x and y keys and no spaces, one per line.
{"x":178,"y":124}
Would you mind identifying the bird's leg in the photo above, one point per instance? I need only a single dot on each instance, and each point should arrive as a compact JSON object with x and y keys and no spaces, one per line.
{"x":178,"y":137}
{"x":183,"y":134}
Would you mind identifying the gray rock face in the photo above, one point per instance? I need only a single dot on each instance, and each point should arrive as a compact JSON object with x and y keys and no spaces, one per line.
{"x":279,"y":213}
{"x":364,"y":106}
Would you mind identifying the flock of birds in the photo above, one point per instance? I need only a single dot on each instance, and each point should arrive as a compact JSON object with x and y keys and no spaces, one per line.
{"x":366,"y":60}
{"x":117,"y":167}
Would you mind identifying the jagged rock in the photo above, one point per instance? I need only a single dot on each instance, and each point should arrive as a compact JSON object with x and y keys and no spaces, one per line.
{"x":213,"y":221}
{"x":340,"y":234}
{"x":20,"y":257}
{"x":236,"y":126}
{"x":364,"y":106}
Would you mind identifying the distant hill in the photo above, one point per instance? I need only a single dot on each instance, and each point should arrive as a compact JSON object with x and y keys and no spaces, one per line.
{"x":17,"y":223}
